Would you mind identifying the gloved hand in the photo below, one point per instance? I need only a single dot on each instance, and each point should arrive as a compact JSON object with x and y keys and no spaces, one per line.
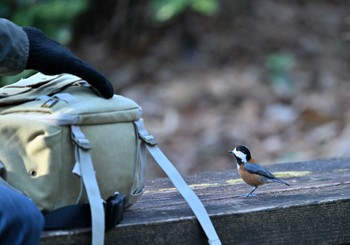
{"x":51,"y":58}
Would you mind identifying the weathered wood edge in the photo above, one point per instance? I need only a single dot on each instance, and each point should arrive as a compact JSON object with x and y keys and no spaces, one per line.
{"x":233,"y":217}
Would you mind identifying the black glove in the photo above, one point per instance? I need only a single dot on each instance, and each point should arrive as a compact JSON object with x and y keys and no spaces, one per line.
{"x":51,"y":58}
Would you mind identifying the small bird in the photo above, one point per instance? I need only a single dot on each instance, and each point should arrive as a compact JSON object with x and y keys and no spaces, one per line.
{"x":251,"y":172}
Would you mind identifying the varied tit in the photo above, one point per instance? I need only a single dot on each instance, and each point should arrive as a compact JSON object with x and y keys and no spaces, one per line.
{"x":253,"y":174}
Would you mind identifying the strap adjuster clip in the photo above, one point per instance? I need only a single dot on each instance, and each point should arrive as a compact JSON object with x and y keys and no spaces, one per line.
{"x":83,"y":143}
{"x":144,"y":135}
{"x":79,"y":138}
{"x":114,"y":210}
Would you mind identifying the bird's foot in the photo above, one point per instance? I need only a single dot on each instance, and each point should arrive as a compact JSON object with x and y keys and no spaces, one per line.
{"x":248,"y":195}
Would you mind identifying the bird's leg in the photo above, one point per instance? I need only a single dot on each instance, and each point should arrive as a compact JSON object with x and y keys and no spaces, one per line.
{"x":250,"y":194}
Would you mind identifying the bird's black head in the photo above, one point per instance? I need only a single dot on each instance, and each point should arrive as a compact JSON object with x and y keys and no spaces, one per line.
{"x":242,"y":154}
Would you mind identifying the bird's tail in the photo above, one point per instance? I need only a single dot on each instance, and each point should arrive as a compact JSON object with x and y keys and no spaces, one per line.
{"x":280,"y":181}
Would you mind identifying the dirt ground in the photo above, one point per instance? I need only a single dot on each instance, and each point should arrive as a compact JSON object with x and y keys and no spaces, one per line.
{"x":273,"y":76}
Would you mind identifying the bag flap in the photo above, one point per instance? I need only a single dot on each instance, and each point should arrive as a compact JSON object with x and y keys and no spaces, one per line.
{"x":36,"y":80}
{"x":30,"y":88}
{"x":52,"y":99}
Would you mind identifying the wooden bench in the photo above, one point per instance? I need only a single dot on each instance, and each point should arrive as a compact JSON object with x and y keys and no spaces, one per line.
{"x":315,"y":209}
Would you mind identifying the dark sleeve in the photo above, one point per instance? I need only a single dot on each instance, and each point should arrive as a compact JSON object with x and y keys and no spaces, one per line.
{"x":14,"y":48}
{"x":257,"y":169}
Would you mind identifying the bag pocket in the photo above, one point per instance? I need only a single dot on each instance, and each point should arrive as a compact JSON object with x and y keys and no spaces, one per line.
{"x":31,"y":154}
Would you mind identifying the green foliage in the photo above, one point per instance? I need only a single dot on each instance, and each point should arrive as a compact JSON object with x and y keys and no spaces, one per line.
{"x":280,"y":62}
{"x":279,"y":66}
{"x":54,"y":17}
{"x":164,"y":10}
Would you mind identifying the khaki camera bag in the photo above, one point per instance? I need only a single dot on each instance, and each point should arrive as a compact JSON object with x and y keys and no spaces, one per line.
{"x":62,"y":145}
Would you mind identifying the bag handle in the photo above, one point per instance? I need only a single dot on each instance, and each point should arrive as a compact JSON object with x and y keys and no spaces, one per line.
{"x":188,"y":194}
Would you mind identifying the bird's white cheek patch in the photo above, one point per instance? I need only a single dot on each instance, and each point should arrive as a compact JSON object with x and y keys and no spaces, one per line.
{"x":241,"y":155}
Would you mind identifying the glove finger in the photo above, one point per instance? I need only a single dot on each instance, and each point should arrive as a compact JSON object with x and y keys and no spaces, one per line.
{"x":95,"y":78}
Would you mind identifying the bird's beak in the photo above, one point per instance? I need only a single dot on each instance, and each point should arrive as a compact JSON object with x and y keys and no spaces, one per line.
{"x":230,"y":152}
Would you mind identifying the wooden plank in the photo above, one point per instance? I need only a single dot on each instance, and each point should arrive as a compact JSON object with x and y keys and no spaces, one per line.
{"x":315,"y":209}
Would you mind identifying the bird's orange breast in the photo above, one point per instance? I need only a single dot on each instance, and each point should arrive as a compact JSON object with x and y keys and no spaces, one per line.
{"x":249,"y":178}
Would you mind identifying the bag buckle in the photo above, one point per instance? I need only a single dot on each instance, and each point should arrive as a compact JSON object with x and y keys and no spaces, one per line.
{"x":83,"y":143}
{"x":144,"y":135}
{"x":79,"y":138}
{"x":114,"y":210}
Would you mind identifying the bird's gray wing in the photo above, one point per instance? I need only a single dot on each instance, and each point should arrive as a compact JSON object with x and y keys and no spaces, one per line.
{"x":257,"y":169}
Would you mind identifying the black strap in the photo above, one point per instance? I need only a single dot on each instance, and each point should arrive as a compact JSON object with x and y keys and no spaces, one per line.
{"x":79,"y":216}
{"x":68,"y":217}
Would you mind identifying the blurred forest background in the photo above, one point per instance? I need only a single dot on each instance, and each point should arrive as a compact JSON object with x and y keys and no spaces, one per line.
{"x":212,"y":74}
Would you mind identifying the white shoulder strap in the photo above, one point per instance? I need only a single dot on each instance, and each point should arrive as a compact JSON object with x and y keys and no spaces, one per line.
{"x":83,"y":159}
{"x":187,"y":193}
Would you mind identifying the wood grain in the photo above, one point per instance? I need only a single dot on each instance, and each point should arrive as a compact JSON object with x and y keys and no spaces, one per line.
{"x":315,"y":209}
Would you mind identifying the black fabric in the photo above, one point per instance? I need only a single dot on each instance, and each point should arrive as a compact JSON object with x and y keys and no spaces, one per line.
{"x":68,"y":217}
{"x":79,"y":215}
{"x":51,"y":58}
